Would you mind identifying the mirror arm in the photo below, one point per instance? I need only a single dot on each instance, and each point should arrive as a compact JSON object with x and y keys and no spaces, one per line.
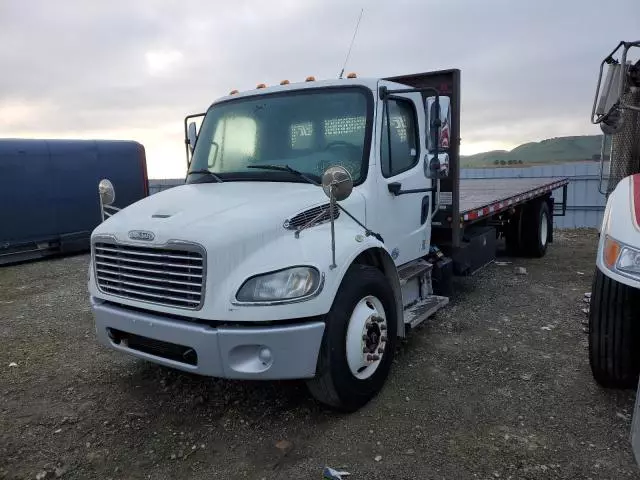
{"x":186,"y":133}
{"x":367,"y":232}
{"x":332,"y":206}
{"x":386,"y":113}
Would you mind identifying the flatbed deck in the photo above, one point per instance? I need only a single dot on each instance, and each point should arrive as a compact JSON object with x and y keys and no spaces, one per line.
{"x":487,"y":196}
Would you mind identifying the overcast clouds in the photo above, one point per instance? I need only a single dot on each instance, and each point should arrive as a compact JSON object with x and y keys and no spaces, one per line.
{"x":133,"y":69}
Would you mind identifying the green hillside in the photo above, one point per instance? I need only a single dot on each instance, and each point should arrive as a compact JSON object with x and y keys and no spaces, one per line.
{"x":551,"y":150}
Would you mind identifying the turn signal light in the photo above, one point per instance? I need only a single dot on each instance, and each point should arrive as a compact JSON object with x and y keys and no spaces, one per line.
{"x":261,"y":85}
{"x":284,"y":82}
{"x":610,"y":252}
{"x":310,"y":79}
{"x":352,"y":75}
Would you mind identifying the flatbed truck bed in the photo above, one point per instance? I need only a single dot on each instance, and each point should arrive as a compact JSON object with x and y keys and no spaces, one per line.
{"x":485,"y":197}
{"x":488,"y":208}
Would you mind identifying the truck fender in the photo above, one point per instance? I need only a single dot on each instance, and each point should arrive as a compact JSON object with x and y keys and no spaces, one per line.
{"x":373,"y":252}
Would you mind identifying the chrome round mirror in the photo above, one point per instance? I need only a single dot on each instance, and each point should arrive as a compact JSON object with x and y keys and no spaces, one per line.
{"x":107,"y":192}
{"x":337,"y":182}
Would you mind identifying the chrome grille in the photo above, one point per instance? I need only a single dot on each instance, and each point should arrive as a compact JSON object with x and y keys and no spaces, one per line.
{"x":166,"y":276}
{"x":316,"y":216}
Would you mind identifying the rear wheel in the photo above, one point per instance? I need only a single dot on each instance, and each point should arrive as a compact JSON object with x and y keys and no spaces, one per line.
{"x":536,"y":226}
{"x":614,"y":333}
{"x":359,"y":341}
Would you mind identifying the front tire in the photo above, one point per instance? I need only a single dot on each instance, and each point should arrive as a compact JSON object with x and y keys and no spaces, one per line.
{"x":362,"y":317}
{"x":614,"y":333}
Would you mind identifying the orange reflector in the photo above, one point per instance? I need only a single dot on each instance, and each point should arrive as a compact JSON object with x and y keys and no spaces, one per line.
{"x":233,"y":92}
{"x":310,"y":79}
{"x":284,"y":82}
{"x":610,"y":252}
{"x":352,"y":75}
{"x":261,"y":85}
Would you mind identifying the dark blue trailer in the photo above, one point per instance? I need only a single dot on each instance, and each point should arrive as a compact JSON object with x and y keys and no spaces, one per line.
{"x":49,"y":201}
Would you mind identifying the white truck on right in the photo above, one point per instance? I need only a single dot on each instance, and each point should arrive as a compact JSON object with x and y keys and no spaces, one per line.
{"x":614,"y":326}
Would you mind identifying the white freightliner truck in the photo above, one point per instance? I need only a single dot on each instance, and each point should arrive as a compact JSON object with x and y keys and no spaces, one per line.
{"x":320,"y":221}
{"x":614,"y":326}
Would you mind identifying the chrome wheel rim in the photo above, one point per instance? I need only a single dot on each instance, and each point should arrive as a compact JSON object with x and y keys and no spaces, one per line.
{"x":366,"y":337}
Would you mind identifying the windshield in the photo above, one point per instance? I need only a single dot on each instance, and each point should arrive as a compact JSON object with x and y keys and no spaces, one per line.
{"x":308,"y":130}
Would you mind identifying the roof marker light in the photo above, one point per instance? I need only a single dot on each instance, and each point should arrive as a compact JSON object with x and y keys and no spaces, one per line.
{"x":352,"y":75}
{"x":284,"y":82}
{"x":310,"y":78}
{"x":233,"y":92}
{"x":261,"y":85}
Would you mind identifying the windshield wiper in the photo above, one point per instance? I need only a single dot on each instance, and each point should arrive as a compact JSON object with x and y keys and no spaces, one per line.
{"x":208,"y":172}
{"x":285,"y":168}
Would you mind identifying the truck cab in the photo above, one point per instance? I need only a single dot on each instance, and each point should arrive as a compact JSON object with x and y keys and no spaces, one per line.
{"x":312,"y":232}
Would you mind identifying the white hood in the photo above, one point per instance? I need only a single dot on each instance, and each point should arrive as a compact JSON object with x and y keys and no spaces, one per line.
{"x":211,"y":209}
{"x":240,"y":225}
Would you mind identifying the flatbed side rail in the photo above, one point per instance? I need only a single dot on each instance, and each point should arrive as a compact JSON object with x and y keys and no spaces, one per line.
{"x":504,"y":204}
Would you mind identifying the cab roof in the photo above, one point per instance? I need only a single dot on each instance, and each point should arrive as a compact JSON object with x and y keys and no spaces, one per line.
{"x":369,"y":83}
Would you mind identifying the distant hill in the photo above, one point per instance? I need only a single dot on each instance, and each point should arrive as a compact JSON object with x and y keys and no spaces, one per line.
{"x":552,"y":150}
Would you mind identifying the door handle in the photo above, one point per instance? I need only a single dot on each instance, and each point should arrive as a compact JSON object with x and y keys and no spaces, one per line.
{"x":425,"y":211}
{"x":395,"y":188}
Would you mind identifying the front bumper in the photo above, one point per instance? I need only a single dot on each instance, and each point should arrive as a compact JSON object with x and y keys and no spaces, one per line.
{"x":258,"y":353}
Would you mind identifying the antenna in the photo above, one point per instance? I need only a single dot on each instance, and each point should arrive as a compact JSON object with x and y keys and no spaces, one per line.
{"x":351,"y":46}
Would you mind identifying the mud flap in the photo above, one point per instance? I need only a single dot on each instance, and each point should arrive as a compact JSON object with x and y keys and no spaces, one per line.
{"x":635,"y":427}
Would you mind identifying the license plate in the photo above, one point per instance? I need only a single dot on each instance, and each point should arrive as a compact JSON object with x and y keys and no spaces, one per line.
{"x":635,"y":427}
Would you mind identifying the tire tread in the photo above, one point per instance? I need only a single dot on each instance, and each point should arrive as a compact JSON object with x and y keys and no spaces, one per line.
{"x":614,"y":333}
{"x":323,"y":386}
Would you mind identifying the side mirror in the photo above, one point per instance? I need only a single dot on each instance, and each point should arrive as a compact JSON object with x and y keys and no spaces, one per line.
{"x":438,"y":115}
{"x":337,"y":183}
{"x":106,"y":191}
{"x":192,"y":135}
{"x":436,"y":166}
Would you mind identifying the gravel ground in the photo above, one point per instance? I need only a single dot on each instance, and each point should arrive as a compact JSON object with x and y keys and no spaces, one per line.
{"x":496,"y":386}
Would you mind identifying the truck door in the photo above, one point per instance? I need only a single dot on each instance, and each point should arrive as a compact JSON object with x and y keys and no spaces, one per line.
{"x":402,"y":220}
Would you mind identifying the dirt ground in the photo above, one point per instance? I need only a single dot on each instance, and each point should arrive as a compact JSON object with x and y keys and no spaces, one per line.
{"x":496,"y":386}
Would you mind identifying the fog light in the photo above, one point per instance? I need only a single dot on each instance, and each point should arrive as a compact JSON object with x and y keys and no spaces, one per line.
{"x":265,"y":356}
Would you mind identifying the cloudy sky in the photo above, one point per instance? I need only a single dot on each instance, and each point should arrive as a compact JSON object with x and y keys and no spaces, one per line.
{"x":133,"y":69}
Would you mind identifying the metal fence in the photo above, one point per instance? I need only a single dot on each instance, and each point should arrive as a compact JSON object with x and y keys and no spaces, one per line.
{"x":157,"y":185}
{"x":585,"y":204}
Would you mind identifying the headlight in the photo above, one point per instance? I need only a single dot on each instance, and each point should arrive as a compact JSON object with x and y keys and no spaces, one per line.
{"x":621,"y":258}
{"x":629,"y":260}
{"x":289,"y":284}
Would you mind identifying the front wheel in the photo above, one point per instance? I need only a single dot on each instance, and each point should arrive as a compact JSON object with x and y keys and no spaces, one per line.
{"x":359,"y":341}
{"x":614,"y":333}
